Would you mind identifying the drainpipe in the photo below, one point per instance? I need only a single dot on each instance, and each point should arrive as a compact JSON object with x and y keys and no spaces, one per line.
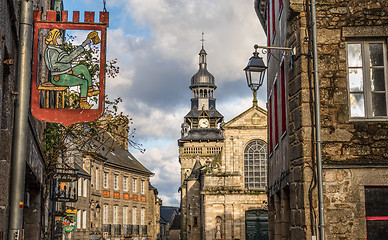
{"x":19,"y":143}
{"x":318,"y":125}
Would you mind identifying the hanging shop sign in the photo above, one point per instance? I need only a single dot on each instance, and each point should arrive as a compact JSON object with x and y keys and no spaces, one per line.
{"x":64,"y":186}
{"x":69,"y":221}
{"x":68,"y":82}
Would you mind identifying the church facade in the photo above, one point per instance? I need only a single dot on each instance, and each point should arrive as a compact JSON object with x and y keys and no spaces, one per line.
{"x":223,"y":167}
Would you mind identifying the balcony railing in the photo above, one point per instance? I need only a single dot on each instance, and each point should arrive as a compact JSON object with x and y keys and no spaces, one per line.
{"x":127,"y":229}
{"x":135,"y":229}
{"x":117,"y":229}
{"x":107,"y":228}
{"x":144,"y":229}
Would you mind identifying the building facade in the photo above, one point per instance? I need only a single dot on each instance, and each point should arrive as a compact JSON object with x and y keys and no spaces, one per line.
{"x":115,"y":198}
{"x":35,"y":209}
{"x":352,"y":64}
{"x":223,"y":167}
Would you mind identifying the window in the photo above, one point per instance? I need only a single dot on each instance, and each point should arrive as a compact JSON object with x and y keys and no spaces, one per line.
{"x":142,"y":187}
{"x":105,"y":214}
{"x":275,"y":90}
{"x":79,"y":187}
{"x":84,"y":219}
{"x":142,"y":216}
{"x":283,"y":98}
{"x":115,"y":207}
{"x":195,"y":221}
{"x":125,"y":210}
{"x":270,"y":122}
{"x":105,"y":180}
{"x":125,"y":183}
{"x":134,"y":216}
{"x":376,"y":212}
{"x":367,"y":79}
{"x":134,"y":185}
{"x":85,"y":193}
{"x":79,"y":218}
{"x":255,"y":165}
{"x":96,"y":178}
{"x":115,"y":182}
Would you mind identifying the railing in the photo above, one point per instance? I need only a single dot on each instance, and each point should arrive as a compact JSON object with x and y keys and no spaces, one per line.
{"x":135,"y":229}
{"x":127,"y":229}
{"x":200,"y":150}
{"x":144,"y":229}
{"x":107,"y":228}
{"x":117,"y":229}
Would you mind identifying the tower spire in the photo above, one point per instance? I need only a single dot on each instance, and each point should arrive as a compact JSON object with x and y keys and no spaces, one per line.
{"x":202,"y":40}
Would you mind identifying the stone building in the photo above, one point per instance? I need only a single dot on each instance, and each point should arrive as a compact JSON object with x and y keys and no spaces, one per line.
{"x":353,"y":81}
{"x":223,"y":167}
{"x":115,"y":197}
{"x":34,"y":212}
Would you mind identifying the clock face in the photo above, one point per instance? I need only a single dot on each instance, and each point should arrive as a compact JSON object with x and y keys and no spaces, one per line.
{"x":203,"y":123}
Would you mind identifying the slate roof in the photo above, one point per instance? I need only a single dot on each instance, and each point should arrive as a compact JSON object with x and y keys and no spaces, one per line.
{"x":203,"y":134}
{"x":115,"y":155}
{"x":212,"y":113}
{"x":167,"y":214}
{"x":196,"y":172}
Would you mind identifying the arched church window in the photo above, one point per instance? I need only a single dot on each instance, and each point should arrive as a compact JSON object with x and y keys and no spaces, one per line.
{"x":201,"y":92}
{"x":255,"y":165}
{"x":205,"y":93}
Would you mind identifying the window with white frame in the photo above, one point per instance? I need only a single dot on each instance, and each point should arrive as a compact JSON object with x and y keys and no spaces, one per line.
{"x":142,"y":216}
{"x":142,"y":187}
{"x":255,"y":165}
{"x":367,"y":79}
{"x":105,"y":184}
{"x":79,"y":218}
{"x":134,"y":185}
{"x":96,"y":179}
{"x":134,"y":213}
{"x":105,"y":214}
{"x":79,"y":187}
{"x":125,"y":216}
{"x":84,"y":219}
{"x":116,"y":182}
{"x":85,"y":188}
{"x":125,"y":183}
{"x":115,"y":213}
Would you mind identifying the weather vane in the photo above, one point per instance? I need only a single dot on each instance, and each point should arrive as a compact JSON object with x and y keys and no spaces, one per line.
{"x":202,"y":40}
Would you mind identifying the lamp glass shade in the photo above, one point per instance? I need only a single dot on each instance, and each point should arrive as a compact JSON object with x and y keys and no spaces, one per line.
{"x":255,"y":71}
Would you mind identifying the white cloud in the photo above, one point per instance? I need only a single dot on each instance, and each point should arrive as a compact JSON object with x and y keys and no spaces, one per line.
{"x":163,"y":162}
{"x":157,"y":43}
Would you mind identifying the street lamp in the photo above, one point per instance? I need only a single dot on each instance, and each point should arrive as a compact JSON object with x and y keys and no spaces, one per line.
{"x":255,"y":70}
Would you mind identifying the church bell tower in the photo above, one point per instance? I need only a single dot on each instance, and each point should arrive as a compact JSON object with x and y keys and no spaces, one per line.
{"x":200,"y":143}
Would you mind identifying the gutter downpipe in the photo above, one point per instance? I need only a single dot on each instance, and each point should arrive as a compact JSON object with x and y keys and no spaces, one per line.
{"x":19,"y":143}
{"x":318,"y":125}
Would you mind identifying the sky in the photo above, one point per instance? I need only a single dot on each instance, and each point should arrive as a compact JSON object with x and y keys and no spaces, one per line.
{"x":156,"y":43}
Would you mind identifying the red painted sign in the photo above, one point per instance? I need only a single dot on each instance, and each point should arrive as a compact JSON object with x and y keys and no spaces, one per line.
{"x":68,"y":84}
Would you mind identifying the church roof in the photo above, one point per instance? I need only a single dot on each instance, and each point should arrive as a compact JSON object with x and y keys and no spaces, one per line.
{"x":203,"y":77}
{"x":212,"y":113}
{"x":195,"y":173}
{"x":203,"y":134}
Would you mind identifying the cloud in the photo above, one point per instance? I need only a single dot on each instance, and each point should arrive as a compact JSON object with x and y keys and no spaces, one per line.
{"x":157,"y":43}
{"x":163,"y":162}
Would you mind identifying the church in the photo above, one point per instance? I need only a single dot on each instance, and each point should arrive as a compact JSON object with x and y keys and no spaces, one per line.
{"x":223,"y":167}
